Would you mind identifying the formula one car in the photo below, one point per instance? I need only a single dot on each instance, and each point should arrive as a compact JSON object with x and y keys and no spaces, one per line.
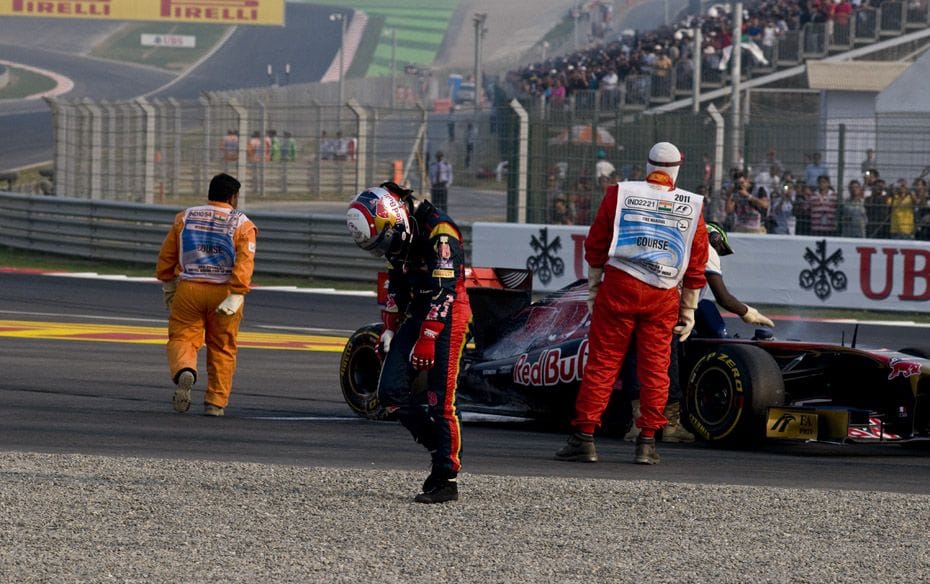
{"x":526,"y":359}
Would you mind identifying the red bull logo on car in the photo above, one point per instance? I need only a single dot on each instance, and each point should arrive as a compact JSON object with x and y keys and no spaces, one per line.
{"x":900,"y":367}
{"x":551,"y":367}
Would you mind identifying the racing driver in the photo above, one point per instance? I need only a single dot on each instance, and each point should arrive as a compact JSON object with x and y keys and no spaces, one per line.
{"x":425,"y":321}
{"x":647,"y":239}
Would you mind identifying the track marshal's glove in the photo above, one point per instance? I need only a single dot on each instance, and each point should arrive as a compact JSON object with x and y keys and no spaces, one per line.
{"x":594,"y":283}
{"x":169,"y":288}
{"x":686,"y":308}
{"x":753,"y":316}
{"x":231,"y":304}
{"x":423,"y":355}
{"x":391,"y":321}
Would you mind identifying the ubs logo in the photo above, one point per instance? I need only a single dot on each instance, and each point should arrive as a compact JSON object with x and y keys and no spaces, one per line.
{"x":823,"y":275}
{"x":546,"y":263}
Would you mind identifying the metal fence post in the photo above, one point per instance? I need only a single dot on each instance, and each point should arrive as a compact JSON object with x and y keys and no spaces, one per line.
{"x":242,"y":122}
{"x":841,"y":161}
{"x":262,"y":149}
{"x":60,"y":155}
{"x":361,"y":144}
{"x":523,"y":139}
{"x":96,"y":148}
{"x":110,"y":190}
{"x":147,"y":138}
{"x":175,"y":168}
{"x":201,"y":170}
{"x":718,"y":147}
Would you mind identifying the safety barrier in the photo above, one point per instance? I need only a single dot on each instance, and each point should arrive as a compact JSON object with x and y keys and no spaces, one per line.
{"x":307,"y":245}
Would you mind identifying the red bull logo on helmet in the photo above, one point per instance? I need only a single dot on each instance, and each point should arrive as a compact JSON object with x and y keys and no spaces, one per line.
{"x":901,"y":367}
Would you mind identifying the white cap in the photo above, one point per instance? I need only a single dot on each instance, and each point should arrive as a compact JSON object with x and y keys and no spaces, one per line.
{"x":664,"y":158}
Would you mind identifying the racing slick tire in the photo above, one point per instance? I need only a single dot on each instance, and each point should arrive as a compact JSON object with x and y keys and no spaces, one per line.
{"x":359,"y":370}
{"x":728,"y":393}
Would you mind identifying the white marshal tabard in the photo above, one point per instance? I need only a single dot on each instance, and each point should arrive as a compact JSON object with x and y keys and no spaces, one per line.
{"x":653,"y":231}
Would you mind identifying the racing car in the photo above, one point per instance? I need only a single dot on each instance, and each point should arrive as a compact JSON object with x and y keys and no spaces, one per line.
{"x":525,"y":358}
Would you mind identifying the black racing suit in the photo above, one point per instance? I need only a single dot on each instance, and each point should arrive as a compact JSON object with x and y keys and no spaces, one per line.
{"x":428,"y":284}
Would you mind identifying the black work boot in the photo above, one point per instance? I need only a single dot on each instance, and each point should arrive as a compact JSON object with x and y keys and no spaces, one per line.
{"x":646,"y":451}
{"x":579,"y":448}
{"x":439,"y":487}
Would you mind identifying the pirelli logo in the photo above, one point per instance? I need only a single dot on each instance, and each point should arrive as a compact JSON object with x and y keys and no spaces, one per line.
{"x":224,"y":12}
{"x":87,"y":8}
{"x":219,"y":10}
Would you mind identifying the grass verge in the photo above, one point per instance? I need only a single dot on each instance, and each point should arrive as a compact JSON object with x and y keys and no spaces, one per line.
{"x":24,"y":83}
{"x":126,"y":44}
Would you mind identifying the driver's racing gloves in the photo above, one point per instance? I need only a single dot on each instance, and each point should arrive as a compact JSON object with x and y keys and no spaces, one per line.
{"x":423,"y":355}
{"x":686,"y":308}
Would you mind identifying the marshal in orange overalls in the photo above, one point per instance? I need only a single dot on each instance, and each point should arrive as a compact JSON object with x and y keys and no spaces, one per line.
{"x":210,"y":251}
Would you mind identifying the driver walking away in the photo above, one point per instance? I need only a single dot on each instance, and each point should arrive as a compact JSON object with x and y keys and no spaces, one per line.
{"x":205,"y":266}
{"x":425,"y":322}
{"x":647,"y":239}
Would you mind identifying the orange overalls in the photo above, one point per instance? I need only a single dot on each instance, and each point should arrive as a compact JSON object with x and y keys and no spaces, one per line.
{"x":211,"y":251}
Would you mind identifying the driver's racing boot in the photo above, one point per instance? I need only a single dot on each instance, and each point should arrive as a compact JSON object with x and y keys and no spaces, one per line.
{"x":674,"y":431}
{"x":439,"y":487}
{"x":579,"y":448}
{"x":646,"y":450}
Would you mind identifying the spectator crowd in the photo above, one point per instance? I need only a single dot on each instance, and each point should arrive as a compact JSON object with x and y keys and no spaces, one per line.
{"x":770,"y":198}
{"x":607,"y":65}
{"x":775,"y":201}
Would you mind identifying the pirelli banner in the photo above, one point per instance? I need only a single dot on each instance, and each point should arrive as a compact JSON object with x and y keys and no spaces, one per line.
{"x":238,"y":12}
{"x":787,"y":270}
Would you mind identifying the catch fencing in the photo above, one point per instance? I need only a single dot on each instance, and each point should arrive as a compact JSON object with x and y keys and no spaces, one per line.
{"x":297,"y":144}
{"x":553,"y":168}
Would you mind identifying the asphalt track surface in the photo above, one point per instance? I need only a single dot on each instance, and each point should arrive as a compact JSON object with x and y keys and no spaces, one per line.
{"x":308,"y":42}
{"x":84,"y":372}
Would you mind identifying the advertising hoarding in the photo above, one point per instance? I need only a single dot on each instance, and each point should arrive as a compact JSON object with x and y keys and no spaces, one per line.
{"x":236,"y":12}
{"x":791,"y":270}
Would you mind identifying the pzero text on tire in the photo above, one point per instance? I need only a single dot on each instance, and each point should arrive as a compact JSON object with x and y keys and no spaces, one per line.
{"x":728,"y":394}
{"x":359,"y":370}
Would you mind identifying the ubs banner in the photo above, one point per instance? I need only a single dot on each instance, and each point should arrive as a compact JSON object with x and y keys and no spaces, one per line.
{"x":239,"y":12}
{"x":873,"y":274}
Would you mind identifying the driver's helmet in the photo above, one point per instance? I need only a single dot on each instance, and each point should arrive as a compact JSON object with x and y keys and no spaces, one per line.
{"x":717,"y":237}
{"x":379,"y":223}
